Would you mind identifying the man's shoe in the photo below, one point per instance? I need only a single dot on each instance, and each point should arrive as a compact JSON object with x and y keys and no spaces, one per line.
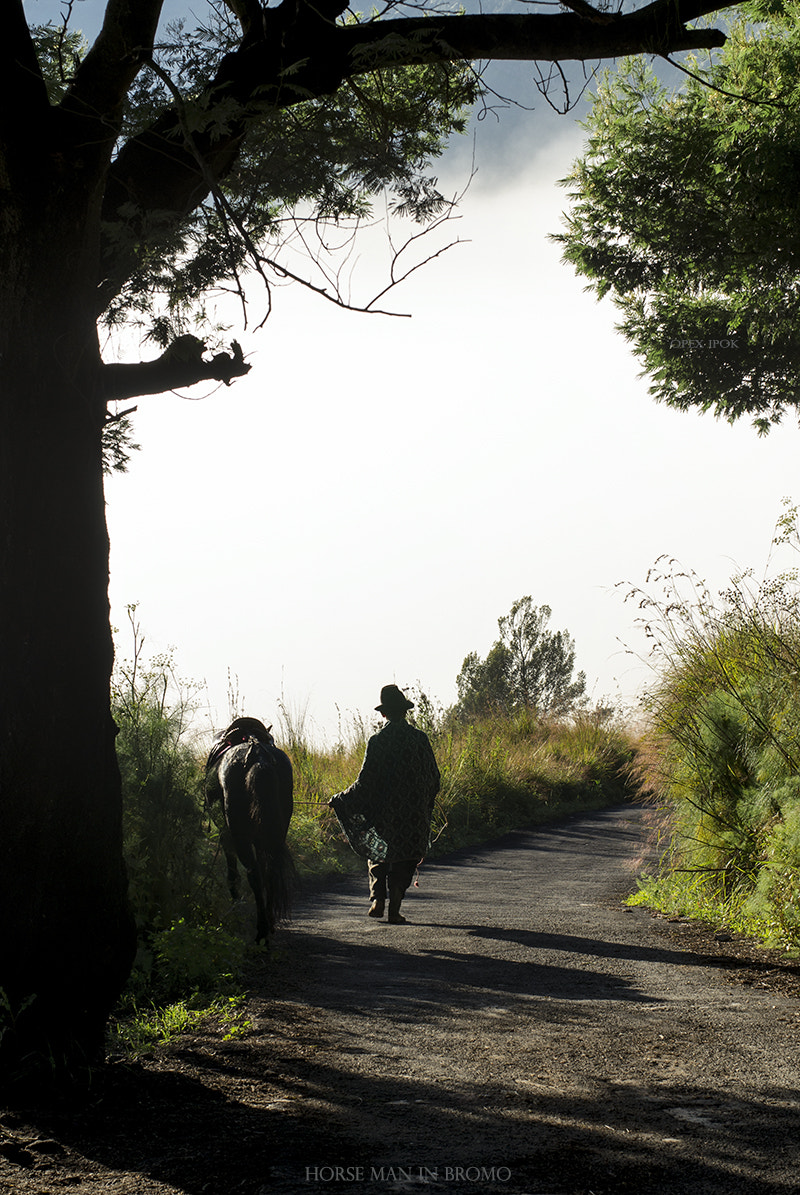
{"x":396,"y":919}
{"x":376,"y":909}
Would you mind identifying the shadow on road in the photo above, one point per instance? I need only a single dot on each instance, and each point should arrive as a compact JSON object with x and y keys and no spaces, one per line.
{"x":366,"y":1074}
{"x":438,"y":977}
{"x":636,"y":952}
{"x":181,"y":1135}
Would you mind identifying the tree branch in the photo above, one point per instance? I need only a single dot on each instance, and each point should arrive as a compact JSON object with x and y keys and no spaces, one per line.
{"x":125,"y":40}
{"x":301,"y":53}
{"x":659,"y":27}
{"x":180,"y":365}
{"x":23,"y":94}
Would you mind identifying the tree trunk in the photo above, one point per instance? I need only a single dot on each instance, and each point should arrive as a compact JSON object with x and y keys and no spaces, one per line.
{"x":68,"y":933}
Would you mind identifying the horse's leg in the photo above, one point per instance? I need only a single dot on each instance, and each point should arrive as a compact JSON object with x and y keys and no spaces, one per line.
{"x":256,"y":875}
{"x":259,"y":826}
{"x":226,"y":842}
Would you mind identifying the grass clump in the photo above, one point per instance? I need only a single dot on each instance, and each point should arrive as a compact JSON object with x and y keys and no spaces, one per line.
{"x":503,"y":773}
{"x":721,"y":757}
{"x":141,"y":1030}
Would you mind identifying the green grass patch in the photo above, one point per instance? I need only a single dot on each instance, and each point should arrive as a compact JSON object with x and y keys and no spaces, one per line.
{"x":138,"y":1030}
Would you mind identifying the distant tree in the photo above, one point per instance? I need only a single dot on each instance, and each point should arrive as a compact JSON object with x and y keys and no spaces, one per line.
{"x":529,"y":667}
{"x":686,"y":210}
{"x":483,"y":685}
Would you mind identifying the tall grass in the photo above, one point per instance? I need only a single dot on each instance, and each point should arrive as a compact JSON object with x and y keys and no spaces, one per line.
{"x":721,"y":757}
{"x":498,"y":774}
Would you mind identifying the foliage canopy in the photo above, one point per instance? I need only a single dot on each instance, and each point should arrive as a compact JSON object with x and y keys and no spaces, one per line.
{"x":319,"y":160}
{"x":686,"y":209}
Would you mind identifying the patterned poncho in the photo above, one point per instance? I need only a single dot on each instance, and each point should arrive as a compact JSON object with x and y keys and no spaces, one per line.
{"x":386,"y":813}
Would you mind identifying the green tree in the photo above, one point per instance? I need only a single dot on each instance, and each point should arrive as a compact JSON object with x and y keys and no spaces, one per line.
{"x":483,"y":685}
{"x":529,"y":667}
{"x":135,"y":174}
{"x":686,"y":209}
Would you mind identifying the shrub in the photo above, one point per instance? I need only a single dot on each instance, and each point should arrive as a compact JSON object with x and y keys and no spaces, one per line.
{"x":167,"y":849}
{"x":723,"y":748}
{"x":176,"y":888}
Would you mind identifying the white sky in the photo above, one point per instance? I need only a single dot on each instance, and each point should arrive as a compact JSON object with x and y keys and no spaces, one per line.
{"x":375,"y":494}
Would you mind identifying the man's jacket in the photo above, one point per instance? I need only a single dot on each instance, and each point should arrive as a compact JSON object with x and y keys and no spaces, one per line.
{"x":386,"y":813}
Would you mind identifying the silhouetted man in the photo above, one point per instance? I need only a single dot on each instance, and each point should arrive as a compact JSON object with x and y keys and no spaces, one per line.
{"x":386,"y":813}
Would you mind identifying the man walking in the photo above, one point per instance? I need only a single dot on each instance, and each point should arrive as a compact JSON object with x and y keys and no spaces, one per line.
{"x":386,"y":813}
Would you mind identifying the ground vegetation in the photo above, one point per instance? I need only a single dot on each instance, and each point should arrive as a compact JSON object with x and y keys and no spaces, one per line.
{"x":721,"y":756}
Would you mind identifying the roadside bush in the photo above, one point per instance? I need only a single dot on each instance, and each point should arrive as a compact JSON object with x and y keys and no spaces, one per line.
{"x":197,"y":958}
{"x":176,"y":891}
{"x":723,"y":749}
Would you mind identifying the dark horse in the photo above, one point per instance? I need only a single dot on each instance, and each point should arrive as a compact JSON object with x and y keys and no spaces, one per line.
{"x":252,"y":778}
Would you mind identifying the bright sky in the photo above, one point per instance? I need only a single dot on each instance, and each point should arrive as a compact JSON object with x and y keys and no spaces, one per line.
{"x":374,"y":495}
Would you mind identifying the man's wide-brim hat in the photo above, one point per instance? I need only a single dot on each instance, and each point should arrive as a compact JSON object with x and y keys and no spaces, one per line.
{"x":393,"y":700}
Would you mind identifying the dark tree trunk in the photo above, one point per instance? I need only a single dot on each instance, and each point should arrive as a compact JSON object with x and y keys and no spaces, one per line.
{"x":68,"y":937}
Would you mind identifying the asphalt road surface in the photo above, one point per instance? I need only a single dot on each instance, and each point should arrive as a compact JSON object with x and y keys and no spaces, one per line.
{"x":525,"y":1033}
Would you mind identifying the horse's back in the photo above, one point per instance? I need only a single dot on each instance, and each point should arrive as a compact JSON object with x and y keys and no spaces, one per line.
{"x":257,"y":774}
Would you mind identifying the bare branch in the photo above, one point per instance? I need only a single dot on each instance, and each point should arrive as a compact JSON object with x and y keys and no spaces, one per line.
{"x":333,"y":297}
{"x":395,"y":277}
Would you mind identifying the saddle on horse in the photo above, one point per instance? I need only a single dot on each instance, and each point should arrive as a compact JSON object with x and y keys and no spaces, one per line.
{"x":241,"y":730}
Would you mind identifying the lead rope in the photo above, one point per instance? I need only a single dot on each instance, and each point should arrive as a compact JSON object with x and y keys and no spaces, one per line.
{"x":422,"y":860}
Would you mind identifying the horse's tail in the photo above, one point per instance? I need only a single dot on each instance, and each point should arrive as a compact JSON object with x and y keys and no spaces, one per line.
{"x":281,"y":883}
{"x":270,"y":792}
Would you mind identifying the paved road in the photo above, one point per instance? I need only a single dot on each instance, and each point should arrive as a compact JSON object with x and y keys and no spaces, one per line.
{"x":527,"y":1033}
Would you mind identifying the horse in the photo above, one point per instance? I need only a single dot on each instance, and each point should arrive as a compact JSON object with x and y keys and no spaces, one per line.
{"x":253,"y":781}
